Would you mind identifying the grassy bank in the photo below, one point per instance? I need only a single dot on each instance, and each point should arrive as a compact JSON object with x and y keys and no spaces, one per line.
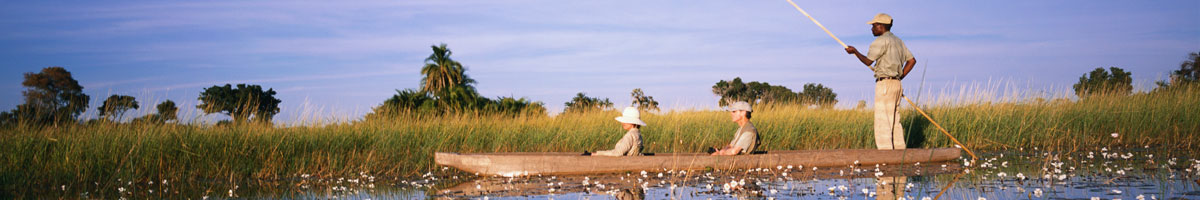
{"x":93,"y":156}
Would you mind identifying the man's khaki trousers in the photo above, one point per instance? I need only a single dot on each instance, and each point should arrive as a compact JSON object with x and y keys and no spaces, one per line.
{"x":888,"y":132}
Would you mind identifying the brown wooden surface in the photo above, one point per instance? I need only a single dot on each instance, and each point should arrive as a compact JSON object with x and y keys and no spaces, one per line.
{"x":520,"y":164}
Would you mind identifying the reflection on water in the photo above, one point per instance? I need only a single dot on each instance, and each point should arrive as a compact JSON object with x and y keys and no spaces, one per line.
{"x":1022,"y":174}
{"x":1029,"y":174}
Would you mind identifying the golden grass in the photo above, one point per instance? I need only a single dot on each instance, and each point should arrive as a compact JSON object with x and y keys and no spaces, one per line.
{"x":79,"y":155}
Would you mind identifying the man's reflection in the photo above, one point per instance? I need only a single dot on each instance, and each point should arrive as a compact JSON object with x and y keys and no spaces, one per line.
{"x":636,"y":193}
{"x":890,"y":188}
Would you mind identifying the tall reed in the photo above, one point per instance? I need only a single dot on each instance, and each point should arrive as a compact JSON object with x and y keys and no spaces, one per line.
{"x":96,"y":155}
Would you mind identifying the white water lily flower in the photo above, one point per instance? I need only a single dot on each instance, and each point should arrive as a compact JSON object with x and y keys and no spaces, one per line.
{"x":1115,"y":135}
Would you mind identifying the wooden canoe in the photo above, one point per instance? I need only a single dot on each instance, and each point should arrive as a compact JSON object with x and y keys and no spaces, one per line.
{"x":565,"y":163}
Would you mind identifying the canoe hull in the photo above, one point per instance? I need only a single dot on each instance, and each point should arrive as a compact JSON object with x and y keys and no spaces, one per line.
{"x":520,"y":164}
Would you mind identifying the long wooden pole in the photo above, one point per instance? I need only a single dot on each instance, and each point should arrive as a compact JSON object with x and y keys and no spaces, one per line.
{"x":818,"y":23}
{"x":964,"y":147}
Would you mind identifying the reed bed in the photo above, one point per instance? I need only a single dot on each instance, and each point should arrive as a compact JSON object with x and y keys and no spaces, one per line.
{"x":97,"y":155}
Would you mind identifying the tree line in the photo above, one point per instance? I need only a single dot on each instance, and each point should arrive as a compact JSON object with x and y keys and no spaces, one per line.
{"x":54,"y":97}
{"x":1117,"y":81}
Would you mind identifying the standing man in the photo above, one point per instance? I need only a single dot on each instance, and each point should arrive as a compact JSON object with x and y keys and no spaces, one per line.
{"x":892,"y":62}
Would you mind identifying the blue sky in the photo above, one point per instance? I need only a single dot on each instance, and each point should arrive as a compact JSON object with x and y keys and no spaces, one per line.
{"x":337,"y":60}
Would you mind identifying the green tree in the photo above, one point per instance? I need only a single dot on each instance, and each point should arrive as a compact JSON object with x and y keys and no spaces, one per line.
{"x":1100,"y":81}
{"x":765,"y":93}
{"x":1188,"y":73}
{"x":773,"y":94}
{"x":408,"y":101}
{"x":733,"y":91}
{"x":243,"y":103}
{"x":819,"y":95}
{"x":442,"y":74}
{"x":514,"y":107}
{"x":116,"y":105}
{"x":582,"y":103}
{"x":446,"y":88}
{"x":52,"y":97}
{"x":642,"y":101}
{"x":166,"y":112}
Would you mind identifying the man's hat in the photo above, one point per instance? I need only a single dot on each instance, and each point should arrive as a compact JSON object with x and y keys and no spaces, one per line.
{"x":881,"y":18}
{"x":741,"y":105}
{"x":631,"y":116}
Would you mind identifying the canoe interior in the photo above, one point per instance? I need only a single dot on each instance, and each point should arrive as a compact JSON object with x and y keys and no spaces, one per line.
{"x":528,"y":163}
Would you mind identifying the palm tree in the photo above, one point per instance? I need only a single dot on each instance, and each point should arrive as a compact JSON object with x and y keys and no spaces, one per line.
{"x":442,"y":73}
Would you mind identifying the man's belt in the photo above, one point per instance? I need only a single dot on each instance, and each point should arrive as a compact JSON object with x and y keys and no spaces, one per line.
{"x":884,"y":78}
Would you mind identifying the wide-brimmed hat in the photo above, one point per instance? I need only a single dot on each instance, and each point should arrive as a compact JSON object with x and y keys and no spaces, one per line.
{"x":741,"y":105}
{"x":631,"y":116}
{"x":881,"y":18}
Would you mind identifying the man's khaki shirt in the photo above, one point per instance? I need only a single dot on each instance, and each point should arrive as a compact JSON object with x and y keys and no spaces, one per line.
{"x":889,"y":54}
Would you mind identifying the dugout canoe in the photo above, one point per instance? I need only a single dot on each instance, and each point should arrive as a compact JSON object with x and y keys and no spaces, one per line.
{"x":566,"y":163}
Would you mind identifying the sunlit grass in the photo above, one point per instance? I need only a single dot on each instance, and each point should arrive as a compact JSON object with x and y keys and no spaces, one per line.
{"x":101,"y":154}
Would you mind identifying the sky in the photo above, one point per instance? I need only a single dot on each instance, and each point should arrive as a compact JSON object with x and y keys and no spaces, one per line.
{"x":333,"y":61}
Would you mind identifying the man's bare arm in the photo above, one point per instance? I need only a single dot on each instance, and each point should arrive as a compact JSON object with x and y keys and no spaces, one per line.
{"x":728,"y":151}
{"x":908,"y":66}
{"x":861,"y":57}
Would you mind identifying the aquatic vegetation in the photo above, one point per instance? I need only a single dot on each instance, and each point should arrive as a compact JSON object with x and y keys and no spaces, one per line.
{"x":99,"y":159}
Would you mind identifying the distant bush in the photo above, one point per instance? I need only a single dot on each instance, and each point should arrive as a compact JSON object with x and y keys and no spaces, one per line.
{"x":1188,"y":74}
{"x":756,"y":92}
{"x":581,"y":103}
{"x":1099,"y":81}
{"x":243,"y":103}
{"x":446,"y":89}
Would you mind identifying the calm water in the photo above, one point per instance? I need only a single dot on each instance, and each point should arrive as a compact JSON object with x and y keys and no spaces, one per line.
{"x":1012,"y":174}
